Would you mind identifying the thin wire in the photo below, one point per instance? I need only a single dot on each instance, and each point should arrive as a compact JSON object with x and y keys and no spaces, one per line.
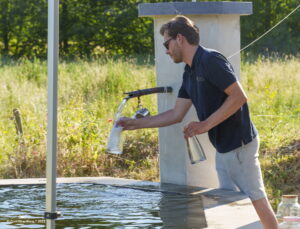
{"x":277,"y":115}
{"x":264,"y":33}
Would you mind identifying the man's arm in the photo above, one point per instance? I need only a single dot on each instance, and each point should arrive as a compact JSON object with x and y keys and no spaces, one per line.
{"x":166,"y":118}
{"x":236,"y":98}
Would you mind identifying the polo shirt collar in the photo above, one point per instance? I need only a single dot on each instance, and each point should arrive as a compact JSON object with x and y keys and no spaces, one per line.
{"x":196,"y":59}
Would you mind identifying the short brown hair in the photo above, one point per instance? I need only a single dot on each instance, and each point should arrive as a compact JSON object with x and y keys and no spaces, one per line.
{"x":184,"y":26}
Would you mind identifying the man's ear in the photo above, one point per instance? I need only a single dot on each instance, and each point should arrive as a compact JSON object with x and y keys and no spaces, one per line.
{"x":180,"y":38}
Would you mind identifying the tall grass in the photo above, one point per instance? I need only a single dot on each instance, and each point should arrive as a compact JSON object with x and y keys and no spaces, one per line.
{"x":273,"y":89}
{"x":89,"y":93}
{"x":274,"y":97}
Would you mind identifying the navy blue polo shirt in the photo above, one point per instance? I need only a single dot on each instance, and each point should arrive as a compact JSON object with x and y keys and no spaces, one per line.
{"x":204,"y":83}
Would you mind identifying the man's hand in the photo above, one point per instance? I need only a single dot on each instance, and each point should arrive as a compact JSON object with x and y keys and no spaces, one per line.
{"x":126,"y":123}
{"x":195,"y":128}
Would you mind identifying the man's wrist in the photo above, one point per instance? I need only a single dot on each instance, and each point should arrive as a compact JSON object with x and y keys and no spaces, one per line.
{"x":208,"y":124}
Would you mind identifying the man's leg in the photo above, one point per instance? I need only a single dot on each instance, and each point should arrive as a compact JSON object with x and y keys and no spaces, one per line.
{"x":224,"y":178}
{"x":265,"y":213}
{"x":243,"y":168}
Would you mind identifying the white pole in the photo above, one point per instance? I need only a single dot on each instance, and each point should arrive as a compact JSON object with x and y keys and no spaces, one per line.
{"x":53,"y":29}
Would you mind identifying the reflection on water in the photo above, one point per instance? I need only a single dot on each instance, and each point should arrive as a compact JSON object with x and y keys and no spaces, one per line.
{"x":99,"y":206}
{"x":181,"y":211}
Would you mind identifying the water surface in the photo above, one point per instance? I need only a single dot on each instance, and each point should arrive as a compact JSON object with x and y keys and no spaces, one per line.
{"x":99,"y":206}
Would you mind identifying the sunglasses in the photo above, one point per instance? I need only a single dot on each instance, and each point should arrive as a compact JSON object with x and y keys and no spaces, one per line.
{"x":166,"y":43}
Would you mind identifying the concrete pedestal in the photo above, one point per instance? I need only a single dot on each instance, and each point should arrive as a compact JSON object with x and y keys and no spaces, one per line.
{"x":219,"y":26}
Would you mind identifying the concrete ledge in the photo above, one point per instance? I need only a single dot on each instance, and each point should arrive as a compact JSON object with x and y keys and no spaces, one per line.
{"x":223,"y":209}
{"x":196,"y":8}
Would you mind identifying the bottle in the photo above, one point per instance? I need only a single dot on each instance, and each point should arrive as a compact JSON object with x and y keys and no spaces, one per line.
{"x":115,"y":141}
{"x":295,"y":209}
{"x":195,"y":150}
{"x":290,"y":222}
{"x":287,"y":207}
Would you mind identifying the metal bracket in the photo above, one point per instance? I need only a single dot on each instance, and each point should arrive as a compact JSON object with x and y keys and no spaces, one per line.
{"x":51,"y":215}
{"x":139,"y":103}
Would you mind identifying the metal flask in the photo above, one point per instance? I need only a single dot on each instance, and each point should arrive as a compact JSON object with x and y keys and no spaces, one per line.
{"x":195,"y":150}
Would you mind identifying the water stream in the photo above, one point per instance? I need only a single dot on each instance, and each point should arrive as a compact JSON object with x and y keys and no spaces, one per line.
{"x":115,"y":140}
{"x":120,"y":109}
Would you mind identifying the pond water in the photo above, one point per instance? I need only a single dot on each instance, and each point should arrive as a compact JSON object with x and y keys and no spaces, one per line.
{"x":99,"y":206}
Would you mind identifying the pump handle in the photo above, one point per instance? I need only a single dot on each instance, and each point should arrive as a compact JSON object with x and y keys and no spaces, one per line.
{"x":149,"y":91}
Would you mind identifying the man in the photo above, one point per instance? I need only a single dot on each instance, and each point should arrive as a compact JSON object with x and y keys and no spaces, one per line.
{"x":210,"y":84}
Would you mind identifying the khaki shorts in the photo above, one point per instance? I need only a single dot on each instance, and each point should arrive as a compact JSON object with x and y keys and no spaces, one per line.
{"x":240,"y":170}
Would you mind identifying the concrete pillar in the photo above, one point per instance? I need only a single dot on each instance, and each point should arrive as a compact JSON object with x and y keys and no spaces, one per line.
{"x":219,"y":26}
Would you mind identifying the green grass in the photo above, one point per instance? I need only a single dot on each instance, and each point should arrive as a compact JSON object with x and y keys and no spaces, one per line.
{"x":274,"y":100}
{"x":89,"y":93}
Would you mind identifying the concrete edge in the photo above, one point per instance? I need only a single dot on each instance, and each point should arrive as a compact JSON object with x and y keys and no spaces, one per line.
{"x":194,"y":8}
{"x":135,"y":184}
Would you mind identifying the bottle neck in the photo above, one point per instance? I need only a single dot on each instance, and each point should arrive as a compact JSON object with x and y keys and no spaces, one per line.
{"x":290,"y":200}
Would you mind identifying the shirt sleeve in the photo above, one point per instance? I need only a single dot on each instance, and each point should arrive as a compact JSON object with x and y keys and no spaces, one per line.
{"x":182,"y":93}
{"x":220,"y":72}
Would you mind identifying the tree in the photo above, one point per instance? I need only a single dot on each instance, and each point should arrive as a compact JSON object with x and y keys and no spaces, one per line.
{"x":90,"y":27}
{"x":284,"y":38}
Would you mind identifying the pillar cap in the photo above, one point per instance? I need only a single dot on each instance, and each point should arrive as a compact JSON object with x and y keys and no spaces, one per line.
{"x":194,"y":8}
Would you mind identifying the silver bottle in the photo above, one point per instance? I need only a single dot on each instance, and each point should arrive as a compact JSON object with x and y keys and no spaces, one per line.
{"x":195,"y":150}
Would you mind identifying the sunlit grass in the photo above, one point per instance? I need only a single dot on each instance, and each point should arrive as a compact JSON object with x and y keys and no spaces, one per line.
{"x":89,"y":93}
{"x":273,"y":89}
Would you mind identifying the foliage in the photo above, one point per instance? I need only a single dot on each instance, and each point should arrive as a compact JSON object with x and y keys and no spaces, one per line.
{"x":86,"y":27}
{"x":92,"y":27}
{"x":266,"y":14}
{"x":23,"y":26}
{"x":281,"y":171}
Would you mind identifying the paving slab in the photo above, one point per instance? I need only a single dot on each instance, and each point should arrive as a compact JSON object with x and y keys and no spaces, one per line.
{"x":223,"y":209}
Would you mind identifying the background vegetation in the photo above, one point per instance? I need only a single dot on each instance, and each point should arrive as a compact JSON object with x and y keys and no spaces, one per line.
{"x":93,"y":27}
{"x":89,"y":93}
{"x":273,"y":86}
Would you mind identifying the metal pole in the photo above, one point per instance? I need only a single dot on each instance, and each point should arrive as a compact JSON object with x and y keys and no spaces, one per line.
{"x":53,"y":29}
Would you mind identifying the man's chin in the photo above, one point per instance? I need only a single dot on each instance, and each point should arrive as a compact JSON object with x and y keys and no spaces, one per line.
{"x":177,"y":61}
